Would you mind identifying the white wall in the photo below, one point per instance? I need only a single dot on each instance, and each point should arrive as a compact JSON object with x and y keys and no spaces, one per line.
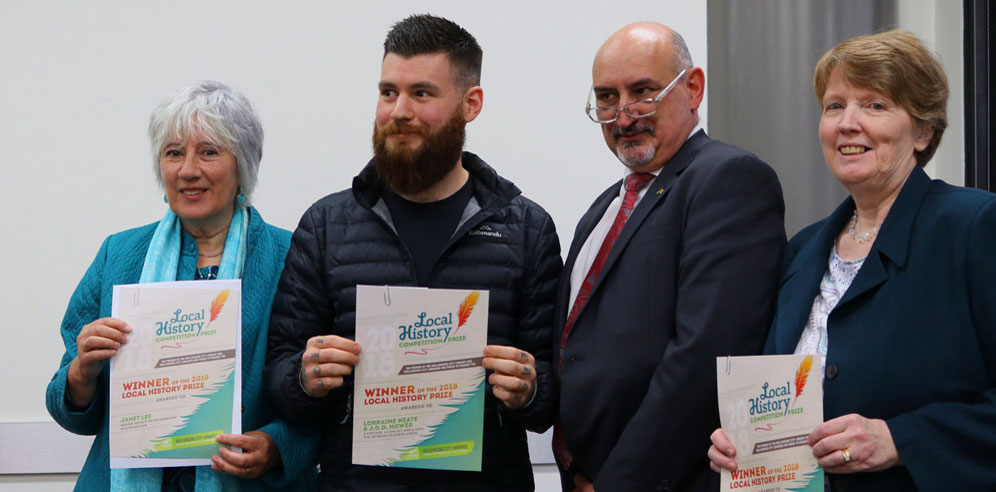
{"x":80,"y":79}
{"x":940,"y":23}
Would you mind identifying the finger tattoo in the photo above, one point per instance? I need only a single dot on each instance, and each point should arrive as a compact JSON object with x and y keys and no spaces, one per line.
{"x":320,"y":341}
{"x":524,"y":355}
{"x":525,"y":386}
{"x":320,"y":384}
{"x":526,"y":371}
{"x":314,"y":355}
{"x":317,"y":371}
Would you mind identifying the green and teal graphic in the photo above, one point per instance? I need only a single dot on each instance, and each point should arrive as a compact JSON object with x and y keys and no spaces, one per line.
{"x":196,"y":438}
{"x":448,"y":448}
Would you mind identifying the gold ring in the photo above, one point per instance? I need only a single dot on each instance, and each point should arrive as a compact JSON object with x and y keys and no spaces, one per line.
{"x":846,"y":452}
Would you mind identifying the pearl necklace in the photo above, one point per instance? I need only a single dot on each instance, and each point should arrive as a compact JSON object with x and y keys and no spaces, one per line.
{"x":852,"y":231}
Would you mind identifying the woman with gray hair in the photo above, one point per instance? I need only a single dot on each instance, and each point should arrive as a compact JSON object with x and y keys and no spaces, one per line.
{"x":206,"y":147}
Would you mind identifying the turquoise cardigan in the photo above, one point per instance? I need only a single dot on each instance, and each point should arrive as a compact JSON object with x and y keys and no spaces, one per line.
{"x":119,"y":261}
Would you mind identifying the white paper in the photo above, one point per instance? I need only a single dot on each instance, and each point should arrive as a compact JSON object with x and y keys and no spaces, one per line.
{"x":419,"y":387}
{"x":178,"y":381}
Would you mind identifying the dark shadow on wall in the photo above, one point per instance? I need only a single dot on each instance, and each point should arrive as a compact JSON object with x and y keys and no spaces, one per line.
{"x":980,"y":171}
{"x":760,"y":85}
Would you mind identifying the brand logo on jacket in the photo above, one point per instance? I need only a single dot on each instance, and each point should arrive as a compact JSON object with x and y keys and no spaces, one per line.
{"x":484,"y":230}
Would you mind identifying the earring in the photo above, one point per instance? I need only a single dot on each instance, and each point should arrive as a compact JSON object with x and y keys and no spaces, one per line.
{"x":165,"y":200}
{"x":241,"y":198}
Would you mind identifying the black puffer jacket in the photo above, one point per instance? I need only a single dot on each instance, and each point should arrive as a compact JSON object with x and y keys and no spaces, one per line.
{"x":505,"y":243}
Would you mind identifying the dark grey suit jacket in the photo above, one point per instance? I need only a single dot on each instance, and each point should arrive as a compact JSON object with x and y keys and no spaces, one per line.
{"x":692,"y":276}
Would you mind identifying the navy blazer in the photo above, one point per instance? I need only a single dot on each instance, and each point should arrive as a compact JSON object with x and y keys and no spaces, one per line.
{"x":913,"y":340}
{"x":692,"y":276}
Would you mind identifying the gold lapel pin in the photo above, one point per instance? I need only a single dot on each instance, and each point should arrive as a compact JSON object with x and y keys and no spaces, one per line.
{"x":660,"y":191}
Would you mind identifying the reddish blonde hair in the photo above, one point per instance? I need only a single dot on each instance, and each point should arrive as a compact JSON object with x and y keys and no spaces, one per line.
{"x":897,"y":64}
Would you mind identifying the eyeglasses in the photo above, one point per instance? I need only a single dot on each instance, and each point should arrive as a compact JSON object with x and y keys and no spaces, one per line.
{"x":636,"y":109}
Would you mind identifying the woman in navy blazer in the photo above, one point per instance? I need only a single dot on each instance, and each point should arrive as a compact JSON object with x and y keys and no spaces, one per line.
{"x":894,"y":288}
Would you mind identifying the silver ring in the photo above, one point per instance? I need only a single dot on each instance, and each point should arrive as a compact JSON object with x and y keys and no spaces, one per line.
{"x":247,"y":470}
{"x":846,"y":452}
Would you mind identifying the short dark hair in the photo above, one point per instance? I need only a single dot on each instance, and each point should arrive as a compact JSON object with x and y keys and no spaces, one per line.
{"x":424,"y":34}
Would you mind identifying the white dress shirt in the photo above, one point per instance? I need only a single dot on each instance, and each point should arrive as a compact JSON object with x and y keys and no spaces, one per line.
{"x":589,"y":250}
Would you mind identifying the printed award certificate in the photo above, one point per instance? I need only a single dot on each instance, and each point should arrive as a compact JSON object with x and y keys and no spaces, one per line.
{"x":177,"y":383}
{"x":418,"y":394}
{"x":768,"y":405}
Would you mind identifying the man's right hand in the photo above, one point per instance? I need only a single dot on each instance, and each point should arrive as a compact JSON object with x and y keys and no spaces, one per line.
{"x":324,"y":363}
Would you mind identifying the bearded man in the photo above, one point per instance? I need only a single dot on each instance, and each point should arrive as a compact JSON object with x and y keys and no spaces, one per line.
{"x":421,"y":213}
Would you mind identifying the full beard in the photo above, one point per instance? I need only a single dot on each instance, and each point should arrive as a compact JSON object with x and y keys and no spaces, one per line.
{"x":409,"y":171}
{"x":629,"y":153}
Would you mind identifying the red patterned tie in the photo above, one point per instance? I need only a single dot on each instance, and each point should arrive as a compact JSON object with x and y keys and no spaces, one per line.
{"x":634,"y":182}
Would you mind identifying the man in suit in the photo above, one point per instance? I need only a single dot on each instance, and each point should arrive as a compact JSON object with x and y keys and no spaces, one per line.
{"x":671,"y":267}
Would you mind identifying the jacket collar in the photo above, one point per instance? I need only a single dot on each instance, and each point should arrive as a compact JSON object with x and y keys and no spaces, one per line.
{"x":893,"y":238}
{"x":802,"y":277}
{"x":656,"y":192}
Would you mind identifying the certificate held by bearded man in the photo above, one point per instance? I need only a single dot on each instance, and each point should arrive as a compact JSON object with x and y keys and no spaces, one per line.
{"x":419,"y":388}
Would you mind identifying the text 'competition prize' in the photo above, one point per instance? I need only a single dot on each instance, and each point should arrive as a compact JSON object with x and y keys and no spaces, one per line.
{"x":768,"y":405}
{"x":419,"y":387}
{"x":177,"y":383}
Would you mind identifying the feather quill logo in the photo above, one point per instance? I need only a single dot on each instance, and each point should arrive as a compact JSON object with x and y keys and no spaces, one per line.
{"x":466,"y":307}
{"x":802,"y":374}
{"x":217,"y":304}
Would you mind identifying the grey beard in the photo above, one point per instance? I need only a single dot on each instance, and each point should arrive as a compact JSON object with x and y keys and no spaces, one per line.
{"x":640,"y":160}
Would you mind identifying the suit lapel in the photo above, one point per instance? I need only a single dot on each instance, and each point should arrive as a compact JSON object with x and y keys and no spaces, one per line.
{"x":581,"y":233}
{"x":801,"y":279}
{"x":656,"y":192}
{"x":892,"y":241}
{"x":589,"y":221}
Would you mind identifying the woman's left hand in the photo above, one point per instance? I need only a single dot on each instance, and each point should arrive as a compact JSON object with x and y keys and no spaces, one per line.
{"x":259,"y":454}
{"x":852,"y":443}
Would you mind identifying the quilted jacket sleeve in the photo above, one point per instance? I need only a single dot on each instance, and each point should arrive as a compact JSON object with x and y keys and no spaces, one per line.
{"x":534,"y":330}
{"x":301,"y":309}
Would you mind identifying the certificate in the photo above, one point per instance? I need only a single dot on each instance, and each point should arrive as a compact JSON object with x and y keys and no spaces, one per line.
{"x":768,"y":405}
{"x":418,"y":392}
{"x":177,"y":383}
